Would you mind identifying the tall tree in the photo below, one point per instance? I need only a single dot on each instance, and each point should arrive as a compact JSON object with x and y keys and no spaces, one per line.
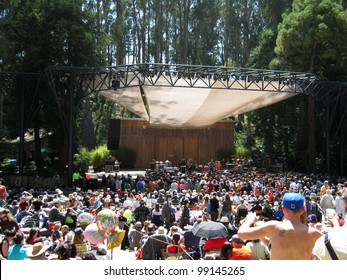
{"x":273,"y":11}
{"x":312,"y":38}
{"x":204,"y":18}
{"x":268,"y":127}
{"x":42,"y":33}
{"x":240,"y":24}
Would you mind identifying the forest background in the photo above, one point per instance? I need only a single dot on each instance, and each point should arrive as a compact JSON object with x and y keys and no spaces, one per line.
{"x":292,"y":35}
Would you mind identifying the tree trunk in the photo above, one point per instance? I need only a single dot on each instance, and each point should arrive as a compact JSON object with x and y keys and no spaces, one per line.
{"x":159,"y":32}
{"x":185,"y":31}
{"x":120,"y":42}
{"x":311,"y":117}
{"x":270,"y":134}
{"x":38,"y":154}
{"x":302,"y":136}
{"x":87,"y":126}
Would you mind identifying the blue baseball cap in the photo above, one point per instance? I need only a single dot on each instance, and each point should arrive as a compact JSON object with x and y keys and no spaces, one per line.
{"x":293,"y":201}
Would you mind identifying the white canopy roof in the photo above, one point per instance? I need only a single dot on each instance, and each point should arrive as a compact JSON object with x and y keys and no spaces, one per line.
{"x":185,"y":106}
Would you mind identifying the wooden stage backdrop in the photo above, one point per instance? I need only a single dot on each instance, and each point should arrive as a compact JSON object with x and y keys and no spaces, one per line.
{"x":173,"y":144}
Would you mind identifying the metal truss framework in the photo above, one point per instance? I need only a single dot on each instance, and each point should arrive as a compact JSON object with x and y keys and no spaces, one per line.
{"x":331,"y":110}
{"x":27,"y":88}
{"x":75,"y":83}
{"x":105,"y":78}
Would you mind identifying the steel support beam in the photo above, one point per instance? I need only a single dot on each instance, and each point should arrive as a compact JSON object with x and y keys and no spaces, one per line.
{"x":74,"y":83}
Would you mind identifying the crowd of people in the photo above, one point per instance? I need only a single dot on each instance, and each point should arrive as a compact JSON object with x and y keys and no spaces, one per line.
{"x":262,"y":216}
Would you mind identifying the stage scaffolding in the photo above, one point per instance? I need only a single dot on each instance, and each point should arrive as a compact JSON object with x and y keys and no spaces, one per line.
{"x":73,"y":84}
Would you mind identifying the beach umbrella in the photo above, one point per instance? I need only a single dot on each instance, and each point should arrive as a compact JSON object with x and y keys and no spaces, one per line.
{"x":210,"y":230}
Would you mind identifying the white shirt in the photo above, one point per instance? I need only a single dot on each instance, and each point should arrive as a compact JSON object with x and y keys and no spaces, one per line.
{"x":327,"y":201}
{"x":259,"y":250}
{"x":339,"y":205}
{"x":294,"y":186}
{"x":338,"y":240}
{"x":174,"y":186}
{"x":127,"y":203}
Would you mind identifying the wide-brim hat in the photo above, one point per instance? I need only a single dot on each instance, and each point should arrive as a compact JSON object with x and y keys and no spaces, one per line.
{"x":161,"y":230}
{"x":37,"y":249}
{"x":59,"y":191}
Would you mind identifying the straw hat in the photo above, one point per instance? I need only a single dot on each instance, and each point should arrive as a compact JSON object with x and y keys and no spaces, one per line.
{"x":37,"y":249}
{"x":161,"y":230}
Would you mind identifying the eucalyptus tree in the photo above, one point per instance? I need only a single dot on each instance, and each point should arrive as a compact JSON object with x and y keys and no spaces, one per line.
{"x":273,"y":11}
{"x":204,"y":19}
{"x":177,"y":24}
{"x":273,"y":125}
{"x":240,"y":24}
{"x":40,"y":33}
{"x":312,"y":38}
{"x":93,"y":106}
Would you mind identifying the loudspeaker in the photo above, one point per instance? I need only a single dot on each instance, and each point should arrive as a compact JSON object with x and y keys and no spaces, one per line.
{"x":113,"y":134}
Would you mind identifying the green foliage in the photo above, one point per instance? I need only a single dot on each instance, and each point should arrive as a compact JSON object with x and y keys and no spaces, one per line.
{"x":35,"y":34}
{"x":264,"y":52}
{"x":6,"y":167}
{"x":242,"y":152}
{"x":95,"y":157}
{"x":273,"y":10}
{"x":5,"y":163}
{"x":240,"y":134}
{"x":274,"y":129}
{"x":236,"y":16}
{"x":205,"y":16}
{"x":82,"y":159}
{"x":99,"y":156}
{"x":313,"y":38}
{"x":42,"y":33}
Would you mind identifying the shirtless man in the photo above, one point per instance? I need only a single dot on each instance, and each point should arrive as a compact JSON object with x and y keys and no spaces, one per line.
{"x":290,"y":239}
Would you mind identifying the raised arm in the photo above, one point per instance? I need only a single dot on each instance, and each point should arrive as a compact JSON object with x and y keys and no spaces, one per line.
{"x":251,"y":230}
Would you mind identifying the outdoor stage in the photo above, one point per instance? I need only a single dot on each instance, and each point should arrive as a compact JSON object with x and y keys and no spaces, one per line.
{"x":174,"y":144}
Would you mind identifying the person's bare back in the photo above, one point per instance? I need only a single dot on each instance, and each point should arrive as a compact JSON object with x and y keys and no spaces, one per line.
{"x":290,"y":239}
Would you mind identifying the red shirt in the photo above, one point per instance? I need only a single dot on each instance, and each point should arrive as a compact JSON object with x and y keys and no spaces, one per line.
{"x":2,"y":191}
{"x":271,"y":196}
{"x":24,"y":205}
{"x":214,"y":244}
{"x":210,"y":187}
{"x":173,"y":248}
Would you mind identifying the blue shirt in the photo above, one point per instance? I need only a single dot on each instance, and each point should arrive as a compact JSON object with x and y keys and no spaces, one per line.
{"x":140,"y":185}
{"x":17,"y":252}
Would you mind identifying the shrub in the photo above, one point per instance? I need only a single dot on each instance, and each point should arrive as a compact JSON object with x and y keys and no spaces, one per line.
{"x":242,"y":152}
{"x":99,"y":156}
